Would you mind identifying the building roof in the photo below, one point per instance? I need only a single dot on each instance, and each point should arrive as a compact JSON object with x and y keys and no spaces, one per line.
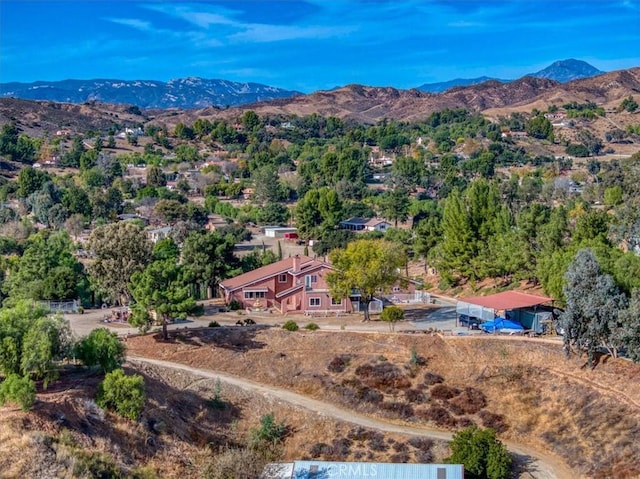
{"x":280,"y":267}
{"x":375,"y":222}
{"x":355,"y":220}
{"x":507,"y":300}
{"x":358,"y":470}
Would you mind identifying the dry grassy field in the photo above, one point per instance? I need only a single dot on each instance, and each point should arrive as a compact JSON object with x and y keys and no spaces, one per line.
{"x":524,"y":389}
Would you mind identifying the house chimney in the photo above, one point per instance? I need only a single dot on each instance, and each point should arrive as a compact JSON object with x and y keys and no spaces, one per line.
{"x":296,"y":263}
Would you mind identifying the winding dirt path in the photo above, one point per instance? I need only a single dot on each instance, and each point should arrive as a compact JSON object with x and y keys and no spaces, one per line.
{"x":540,"y":465}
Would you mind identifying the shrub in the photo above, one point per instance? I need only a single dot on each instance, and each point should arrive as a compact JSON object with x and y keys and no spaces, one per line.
{"x":269,"y":430}
{"x":415,"y":396}
{"x":290,"y":325}
{"x":214,"y":324}
{"x":320,"y":449}
{"x":124,"y":394}
{"x":382,"y":376}
{"x":236,"y":463}
{"x":399,"y":409}
{"x":101,"y":347}
{"x":438,"y":415}
{"x":312,"y":327}
{"x":482,"y":454}
{"x":493,"y":421}
{"x":444,"y":392}
{"x":235,"y":305}
{"x":359,"y":433}
{"x":19,"y":390}
{"x":470,"y":401}
{"x":391,"y":315}
{"x":339,"y":363}
{"x":432,"y":378}
{"x":95,"y":465}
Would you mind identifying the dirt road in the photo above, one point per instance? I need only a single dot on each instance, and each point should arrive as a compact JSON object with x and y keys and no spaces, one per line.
{"x":539,"y":465}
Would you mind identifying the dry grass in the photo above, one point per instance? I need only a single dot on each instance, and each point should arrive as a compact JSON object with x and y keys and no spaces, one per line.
{"x":526,"y":390}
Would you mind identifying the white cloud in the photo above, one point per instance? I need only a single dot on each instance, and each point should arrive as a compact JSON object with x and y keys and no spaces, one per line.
{"x":141,"y":25}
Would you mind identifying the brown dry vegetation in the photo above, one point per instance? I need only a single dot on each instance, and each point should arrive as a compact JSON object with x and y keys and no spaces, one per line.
{"x":524,"y":389}
{"x":181,"y":433}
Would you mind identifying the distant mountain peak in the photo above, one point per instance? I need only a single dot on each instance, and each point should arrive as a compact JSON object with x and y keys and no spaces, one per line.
{"x":567,"y":70}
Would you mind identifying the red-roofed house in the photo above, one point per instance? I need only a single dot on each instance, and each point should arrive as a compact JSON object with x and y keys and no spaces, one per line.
{"x":292,"y":285}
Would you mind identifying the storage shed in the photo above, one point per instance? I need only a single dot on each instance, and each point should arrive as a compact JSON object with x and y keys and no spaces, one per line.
{"x":513,"y":306}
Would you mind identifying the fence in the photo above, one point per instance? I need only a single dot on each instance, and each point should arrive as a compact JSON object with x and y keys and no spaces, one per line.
{"x":409,"y":298}
{"x":61,"y":306}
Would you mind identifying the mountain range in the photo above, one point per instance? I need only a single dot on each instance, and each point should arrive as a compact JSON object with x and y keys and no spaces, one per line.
{"x":179,"y":93}
{"x":189,"y":93}
{"x":561,"y":71}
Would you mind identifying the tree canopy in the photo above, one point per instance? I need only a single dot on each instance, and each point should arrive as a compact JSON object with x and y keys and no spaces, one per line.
{"x":366,"y":267}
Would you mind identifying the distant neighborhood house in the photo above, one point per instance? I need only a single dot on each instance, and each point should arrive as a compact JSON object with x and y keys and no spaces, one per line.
{"x":365,"y":224}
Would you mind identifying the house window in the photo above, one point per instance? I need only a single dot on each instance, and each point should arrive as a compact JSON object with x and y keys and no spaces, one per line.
{"x":310,"y":279}
{"x":336,"y":302}
{"x":314,"y":301}
{"x":254,"y":294}
{"x":396,"y":289}
{"x":282,"y":278}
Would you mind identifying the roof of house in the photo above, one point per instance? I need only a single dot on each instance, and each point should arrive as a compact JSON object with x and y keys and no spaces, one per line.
{"x":507,"y":300}
{"x":355,"y":220}
{"x":279,"y":267}
{"x":375,"y":222}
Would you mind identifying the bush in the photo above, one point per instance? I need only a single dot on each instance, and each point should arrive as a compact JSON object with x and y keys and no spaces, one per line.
{"x":383,"y":376}
{"x":269,"y":430}
{"x":470,"y":401}
{"x":19,"y":390}
{"x":482,"y":454}
{"x":432,"y":378}
{"x":95,"y":465}
{"x":124,"y":394}
{"x":214,"y":324}
{"x":312,"y":327}
{"x":339,"y":363}
{"x":290,"y":325}
{"x":441,"y":391}
{"x":391,"y":315}
{"x":235,"y":305}
{"x":101,"y":347}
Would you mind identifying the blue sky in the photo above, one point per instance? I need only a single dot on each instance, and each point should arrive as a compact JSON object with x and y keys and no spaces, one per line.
{"x":311,"y":45}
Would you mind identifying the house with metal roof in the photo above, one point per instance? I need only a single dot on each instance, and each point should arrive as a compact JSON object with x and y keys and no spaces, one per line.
{"x":361,"y":470}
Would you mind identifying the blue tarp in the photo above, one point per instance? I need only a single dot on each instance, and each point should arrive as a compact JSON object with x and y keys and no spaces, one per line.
{"x":501,"y":325}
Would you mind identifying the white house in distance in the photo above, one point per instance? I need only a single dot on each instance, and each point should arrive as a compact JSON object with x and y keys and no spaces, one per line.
{"x":365,"y":224}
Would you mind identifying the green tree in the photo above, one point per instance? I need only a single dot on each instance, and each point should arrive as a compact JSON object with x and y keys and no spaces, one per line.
{"x":630,"y":321}
{"x":31,"y":180}
{"x":458,"y":245}
{"x":629,"y":104}
{"x":155,"y":177}
{"x":590,"y":319}
{"x":613,"y":195}
{"x":368,"y":266}
{"x":19,"y":390}
{"x":46,"y":270}
{"x":119,"y":250}
{"x":31,"y":342}
{"x":123,"y":394}
{"x":392,"y":315}
{"x":103,"y":348}
{"x":395,"y":205}
{"x":161,"y":290}
{"x":540,"y":127}
{"x":170,"y":211}
{"x":481,"y":453}
{"x":208,"y":259}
